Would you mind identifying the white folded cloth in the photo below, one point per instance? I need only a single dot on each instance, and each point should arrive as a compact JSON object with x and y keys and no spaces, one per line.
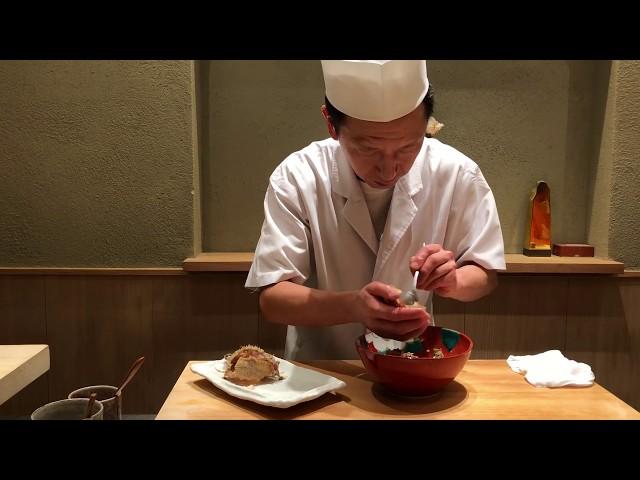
{"x":552,"y":369}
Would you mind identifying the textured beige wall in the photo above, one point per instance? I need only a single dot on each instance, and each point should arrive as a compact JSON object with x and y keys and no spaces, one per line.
{"x":599,"y":198}
{"x":259,"y":112}
{"x":97,"y":163}
{"x":99,"y":158}
{"x":624,"y":229}
{"x":521,"y":121}
{"x":524,"y":121}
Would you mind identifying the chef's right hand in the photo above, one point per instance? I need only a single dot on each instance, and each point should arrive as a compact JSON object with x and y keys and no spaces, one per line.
{"x":376,"y":308}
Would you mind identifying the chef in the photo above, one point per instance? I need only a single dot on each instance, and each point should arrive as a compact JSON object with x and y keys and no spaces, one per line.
{"x":350,"y":219}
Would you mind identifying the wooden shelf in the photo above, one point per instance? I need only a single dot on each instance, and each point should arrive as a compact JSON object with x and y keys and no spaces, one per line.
{"x":90,"y":271}
{"x":516,"y":263}
{"x":241,"y":262}
{"x":219,"y":262}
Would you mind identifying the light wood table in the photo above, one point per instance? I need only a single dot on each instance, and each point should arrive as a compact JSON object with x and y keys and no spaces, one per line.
{"x":19,"y":366}
{"x":485,"y":389}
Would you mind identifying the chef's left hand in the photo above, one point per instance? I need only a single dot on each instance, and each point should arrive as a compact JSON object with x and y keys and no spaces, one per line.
{"x":437,"y":267}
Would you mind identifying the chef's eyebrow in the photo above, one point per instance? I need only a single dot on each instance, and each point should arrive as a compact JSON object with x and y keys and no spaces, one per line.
{"x":366,"y":142}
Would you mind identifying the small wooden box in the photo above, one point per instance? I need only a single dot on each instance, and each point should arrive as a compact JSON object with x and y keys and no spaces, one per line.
{"x":573,"y":250}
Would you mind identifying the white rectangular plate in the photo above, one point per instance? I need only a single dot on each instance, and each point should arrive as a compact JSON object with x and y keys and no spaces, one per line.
{"x":298,"y":385}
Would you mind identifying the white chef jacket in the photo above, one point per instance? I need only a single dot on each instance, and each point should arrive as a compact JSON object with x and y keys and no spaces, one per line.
{"x":318,"y":232}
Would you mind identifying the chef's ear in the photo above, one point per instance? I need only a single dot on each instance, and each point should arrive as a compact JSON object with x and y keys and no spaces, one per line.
{"x":330,"y":126}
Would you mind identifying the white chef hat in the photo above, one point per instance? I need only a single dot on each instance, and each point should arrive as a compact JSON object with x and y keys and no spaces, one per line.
{"x":375,"y":90}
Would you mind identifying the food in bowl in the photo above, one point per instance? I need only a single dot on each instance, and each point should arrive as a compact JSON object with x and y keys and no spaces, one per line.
{"x":413,"y":348}
{"x":250,"y":365}
{"x":421,"y":367}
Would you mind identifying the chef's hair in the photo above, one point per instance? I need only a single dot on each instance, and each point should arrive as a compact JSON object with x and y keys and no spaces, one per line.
{"x":337,"y":117}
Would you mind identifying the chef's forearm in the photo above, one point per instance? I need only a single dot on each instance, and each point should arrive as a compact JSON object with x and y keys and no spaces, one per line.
{"x":292,"y":304}
{"x":473,"y":282}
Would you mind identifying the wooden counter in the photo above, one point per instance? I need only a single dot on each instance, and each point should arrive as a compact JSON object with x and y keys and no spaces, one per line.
{"x":485,"y":389}
{"x":19,"y":366}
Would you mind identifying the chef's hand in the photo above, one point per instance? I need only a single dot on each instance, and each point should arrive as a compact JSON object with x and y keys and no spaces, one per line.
{"x":376,"y":308}
{"x":437,"y":267}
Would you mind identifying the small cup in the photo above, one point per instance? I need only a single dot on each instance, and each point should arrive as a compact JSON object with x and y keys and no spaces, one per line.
{"x":104,"y":395}
{"x":68,"y":409}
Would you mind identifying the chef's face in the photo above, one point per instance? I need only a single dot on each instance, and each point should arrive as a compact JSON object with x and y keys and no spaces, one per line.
{"x":380,"y":153}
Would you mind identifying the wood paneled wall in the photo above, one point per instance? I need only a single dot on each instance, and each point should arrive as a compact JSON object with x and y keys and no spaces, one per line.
{"x":97,"y":325}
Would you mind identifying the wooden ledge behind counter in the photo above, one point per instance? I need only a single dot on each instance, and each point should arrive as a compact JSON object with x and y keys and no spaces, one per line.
{"x":516,"y":263}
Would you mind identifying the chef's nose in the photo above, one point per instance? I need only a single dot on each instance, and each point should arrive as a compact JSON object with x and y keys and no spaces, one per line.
{"x":387,"y":168}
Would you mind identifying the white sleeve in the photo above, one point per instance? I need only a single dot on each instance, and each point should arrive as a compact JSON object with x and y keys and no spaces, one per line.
{"x":473,"y":230}
{"x":283,"y":251}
